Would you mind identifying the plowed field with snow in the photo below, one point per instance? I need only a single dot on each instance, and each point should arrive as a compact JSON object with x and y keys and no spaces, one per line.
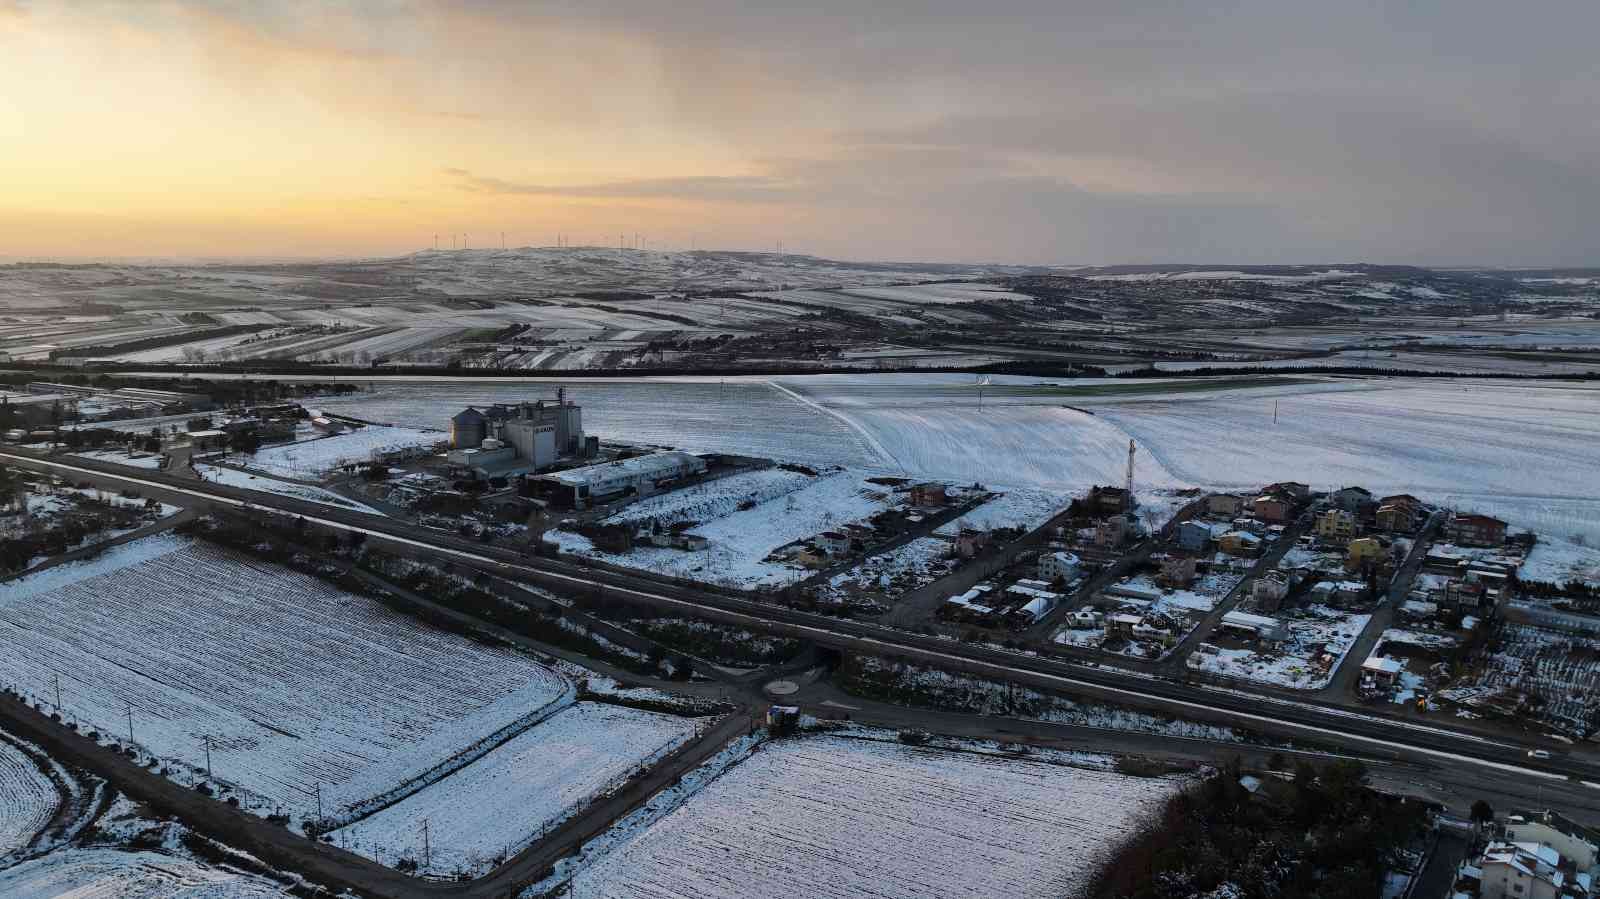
{"x":294,"y":682}
{"x":838,"y":818}
{"x":28,"y":799}
{"x":505,"y":799}
{"x":114,"y":874}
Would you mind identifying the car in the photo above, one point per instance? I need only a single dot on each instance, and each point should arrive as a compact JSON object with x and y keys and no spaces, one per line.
{"x":1538,"y":754}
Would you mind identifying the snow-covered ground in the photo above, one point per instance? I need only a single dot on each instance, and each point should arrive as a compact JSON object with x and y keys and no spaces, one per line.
{"x":28,"y":799}
{"x":1517,"y":451}
{"x":713,"y":499}
{"x":741,"y":541}
{"x":116,"y":874}
{"x":234,"y":478}
{"x":292,"y":682}
{"x":311,"y":460}
{"x":1293,"y":664}
{"x":1557,"y":561}
{"x":921,"y":561}
{"x":150,"y":461}
{"x":841,"y":818}
{"x":506,"y":799}
{"x":1018,"y":507}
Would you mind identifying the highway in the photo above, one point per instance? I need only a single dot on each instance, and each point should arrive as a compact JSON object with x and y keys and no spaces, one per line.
{"x":1304,"y":721}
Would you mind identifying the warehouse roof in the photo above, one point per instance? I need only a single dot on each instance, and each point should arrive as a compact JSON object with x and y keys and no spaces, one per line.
{"x":665,"y":462}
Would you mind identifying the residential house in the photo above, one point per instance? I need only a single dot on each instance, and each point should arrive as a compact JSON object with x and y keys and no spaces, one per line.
{"x":1263,"y":627}
{"x":1464,"y":595}
{"x":1354,"y":500}
{"x":1395,"y":519}
{"x":1269,"y":590}
{"x":1339,"y":593}
{"x":1416,"y":610}
{"x":1294,"y":490}
{"x":1109,"y":500}
{"x":1224,"y":505}
{"x":1521,"y":871}
{"x":1177,"y":571}
{"x":1336,"y":526}
{"x":1087,"y":617}
{"x":1193,"y":536}
{"x":1272,"y":508}
{"x":1381,"y":672}
{"x":1122,"y":624}
{"x":1365,"y":553}
{"x":1059,"y":566}
{"x":1476,"y":530}
{"x":1576,"y":843}
{"x":970,"y":542}
{"x":1239,"y":543}
{"x":834,"y":543}
{"x":929,"y":494}
{"x":1110,"y":533}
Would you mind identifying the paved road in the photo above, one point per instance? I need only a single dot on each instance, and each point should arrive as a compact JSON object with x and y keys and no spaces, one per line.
{"x":1288,"y":718}
{"x":1349,"y":674}
{"x":1174,"y":661}
{"x":1437,"y":879}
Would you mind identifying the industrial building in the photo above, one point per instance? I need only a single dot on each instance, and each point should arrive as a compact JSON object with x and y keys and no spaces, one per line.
{"x":580,"y":488}
{"x":502,"y":440}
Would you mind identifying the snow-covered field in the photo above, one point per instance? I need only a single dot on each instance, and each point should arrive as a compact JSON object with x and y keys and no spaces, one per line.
{"x":234,"y":478}
{"x":1556,"y":561}
{"x":1018,"y":507}
{"x":292,"y":682}
{"x":1514,"y":449}
{"x":28,"y":799}
{"x":1293,"y":665}
{"x":919,"y":562}
{"x":311,"y":460}
{"x":841,"y":818}
{"x":740,"y":542}
{"x":702,"y":414}
{"x":1517,"y":451}
{"x":506,"y":799}
{"x":115,"y":874}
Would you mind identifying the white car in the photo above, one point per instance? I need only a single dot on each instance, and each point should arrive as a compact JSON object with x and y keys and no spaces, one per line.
{"x":1538,"y":754}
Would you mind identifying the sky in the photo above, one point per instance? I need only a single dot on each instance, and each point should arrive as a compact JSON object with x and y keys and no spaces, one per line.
{"x":1023,"y":131}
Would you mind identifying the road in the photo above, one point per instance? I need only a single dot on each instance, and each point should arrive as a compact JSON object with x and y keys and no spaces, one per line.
{"x":1448,"y":753}
{"x":1344,"y":681}
{"x":1290,"y":718}
{"x":1174,"y":661}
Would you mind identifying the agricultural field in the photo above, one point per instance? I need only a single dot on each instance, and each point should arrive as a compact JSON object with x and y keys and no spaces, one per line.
{"x":313,"y":460}
{"x":28,"y":799}
{"x":506,"y":799}
{"x":740,"y":542}
{"x":840,"y":818}
{"x":1319,"y":639}
{"x":750,"y":417}
{"x":108,"y":873}
{"x":294,"y":685}
{"x":1560,"y":562}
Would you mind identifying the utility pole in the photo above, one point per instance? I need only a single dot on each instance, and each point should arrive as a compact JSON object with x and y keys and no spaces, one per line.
{"x":427,"y":850}
{"x":207,"y":742}
{"x":58,"y":689}
{"x":319,"y":801}
{"x":1274,"y":411}
{"x":1129,"y":485}
{"x":130,"y":723}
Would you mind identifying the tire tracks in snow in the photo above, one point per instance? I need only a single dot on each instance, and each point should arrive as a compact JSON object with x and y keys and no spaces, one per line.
{"x":866,"y":436}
